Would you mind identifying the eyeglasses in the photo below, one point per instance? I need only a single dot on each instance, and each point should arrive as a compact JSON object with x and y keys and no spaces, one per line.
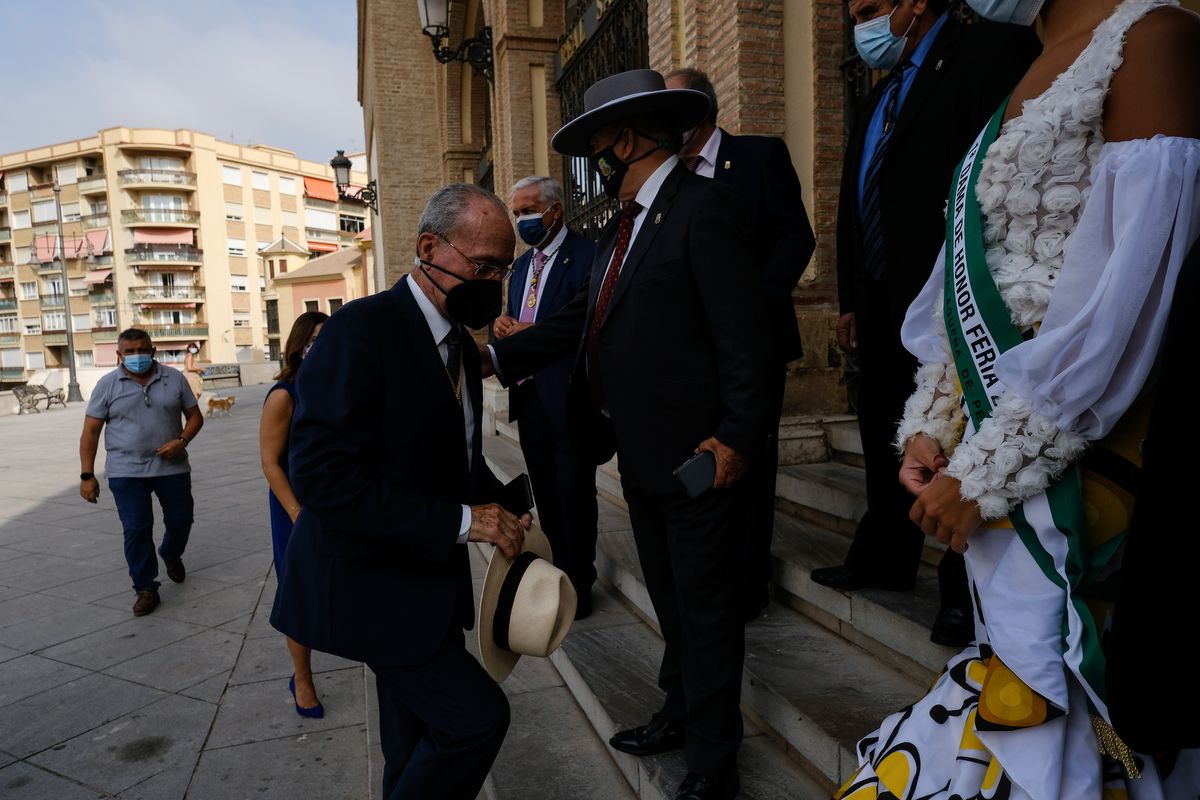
{"x":146,"y":395}
{"x":481,"y":270}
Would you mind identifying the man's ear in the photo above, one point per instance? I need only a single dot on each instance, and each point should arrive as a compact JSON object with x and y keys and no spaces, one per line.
{"x":425,"y":244}
{"x":920,"y":7}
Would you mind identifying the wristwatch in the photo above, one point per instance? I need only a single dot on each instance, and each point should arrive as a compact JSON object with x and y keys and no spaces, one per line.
{"x":87,"y":476}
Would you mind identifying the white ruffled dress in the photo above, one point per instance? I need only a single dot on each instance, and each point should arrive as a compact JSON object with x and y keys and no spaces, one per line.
{"x":1084,"y":239}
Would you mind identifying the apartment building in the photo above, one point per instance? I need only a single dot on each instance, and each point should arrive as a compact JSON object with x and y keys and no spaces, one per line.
{"x":162,"y":229}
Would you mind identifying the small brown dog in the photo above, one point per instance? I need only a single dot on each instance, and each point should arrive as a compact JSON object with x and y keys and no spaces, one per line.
{"x":223,"y":405}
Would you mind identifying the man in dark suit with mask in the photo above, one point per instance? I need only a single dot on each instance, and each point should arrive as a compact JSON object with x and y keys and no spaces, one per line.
{"x":385,"y":458}
{"x":760,"y":169}
{"x":946,"y":81}
{"x":668,"y":352}
{"x":544,"y":279}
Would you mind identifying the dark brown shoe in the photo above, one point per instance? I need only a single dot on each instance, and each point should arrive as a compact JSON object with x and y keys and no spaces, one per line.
{"x":175,"y":570}
{"x":146,"y":602}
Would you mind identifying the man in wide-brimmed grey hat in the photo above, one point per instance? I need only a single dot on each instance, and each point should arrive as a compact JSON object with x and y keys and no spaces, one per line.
{"x":670,"y":347}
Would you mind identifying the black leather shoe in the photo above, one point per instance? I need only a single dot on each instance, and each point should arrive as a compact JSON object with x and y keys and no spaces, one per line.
{"x":847,"y":579}
{"x":657,"y":736}
{"x":717,"y":787}
{"x":954,"y":627}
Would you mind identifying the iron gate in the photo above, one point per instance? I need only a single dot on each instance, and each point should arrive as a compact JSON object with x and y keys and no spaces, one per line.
{"x":606,"y":37}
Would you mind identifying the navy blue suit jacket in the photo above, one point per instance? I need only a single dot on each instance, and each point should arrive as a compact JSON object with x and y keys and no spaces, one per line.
{"x":569,"y":272}
{"x":378,"y":461}
{"x":760,"y":169}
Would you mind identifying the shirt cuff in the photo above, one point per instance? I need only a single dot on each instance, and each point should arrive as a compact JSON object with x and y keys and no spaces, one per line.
{"x":495,"y":363}
{"x":465,"y":526}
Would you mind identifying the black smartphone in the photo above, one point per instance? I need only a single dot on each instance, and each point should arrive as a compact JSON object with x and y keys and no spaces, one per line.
{"x":517,"y":496}
{"x":696,"y":475}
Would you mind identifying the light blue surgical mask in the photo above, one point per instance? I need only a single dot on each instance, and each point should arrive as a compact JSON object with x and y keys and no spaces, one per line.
{"x":878,"y":47}
{"x":532,"y":228}
{"x":138,"y":363}
{"x":1016,"y":12}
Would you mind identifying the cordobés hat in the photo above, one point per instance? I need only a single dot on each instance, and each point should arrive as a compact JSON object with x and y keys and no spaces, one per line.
{"x":526,"y":606}
{"x":629,"y":94}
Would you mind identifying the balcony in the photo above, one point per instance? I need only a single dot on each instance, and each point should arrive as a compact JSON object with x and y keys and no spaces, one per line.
{"x":95,"y":220}
{"x":163,"y":254}
{"x":176,"y":331}
{"x":54,"y":339}
{"x":103,"y":331}
{"x":5,"y":234}
{"x":12,"y":373}
{"x":102,"y":299}
{"x":176,"y":178}
{"x":7,"y":272}
{"x":3,"y":199}
{"x":93,"y":185}
{"x":320,"y":235}
{"x":178,"y":217}
{"x":10,"y":338}
{"x":7,"y":304}
{"x":52,"y":301}
{"x":167,"y":294}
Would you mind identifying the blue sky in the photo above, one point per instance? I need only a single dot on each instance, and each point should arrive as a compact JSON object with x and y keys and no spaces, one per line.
{"x":279,"y":72}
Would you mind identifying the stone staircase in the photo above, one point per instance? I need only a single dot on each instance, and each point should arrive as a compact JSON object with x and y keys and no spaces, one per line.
{"x":822,"y":667}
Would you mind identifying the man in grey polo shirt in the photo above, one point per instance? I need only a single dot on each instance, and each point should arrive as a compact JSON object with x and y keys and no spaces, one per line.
{"x":145,"y":406}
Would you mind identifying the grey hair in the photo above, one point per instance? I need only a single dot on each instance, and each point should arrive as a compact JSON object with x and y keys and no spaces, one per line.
{"x":444,"y":211}
{"x":550,"y":191}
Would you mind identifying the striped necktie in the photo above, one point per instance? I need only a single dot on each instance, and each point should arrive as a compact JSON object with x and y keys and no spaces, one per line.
{"x":607,"y":287}
{"x":871,"y":216}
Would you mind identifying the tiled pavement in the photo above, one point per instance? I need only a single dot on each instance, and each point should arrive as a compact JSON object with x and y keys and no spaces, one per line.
{"x":190,"y":701}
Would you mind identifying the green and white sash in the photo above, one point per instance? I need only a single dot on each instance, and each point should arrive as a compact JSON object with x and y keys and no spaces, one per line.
{"x":980,"y":329}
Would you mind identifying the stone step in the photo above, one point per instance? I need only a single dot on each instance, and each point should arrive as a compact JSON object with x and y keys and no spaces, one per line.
{"x":845,"y":443}
{"x":551,"y":750}
{"x":892,"y":625}
{"x":508,"y":431}
{"x":832,"y":495}
{"x":808,"y":685}
{"x":610,"y":663}
{"x":608,"y":483}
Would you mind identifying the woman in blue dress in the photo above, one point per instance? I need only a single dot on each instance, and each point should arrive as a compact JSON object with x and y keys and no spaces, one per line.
{"x":285,"y":507}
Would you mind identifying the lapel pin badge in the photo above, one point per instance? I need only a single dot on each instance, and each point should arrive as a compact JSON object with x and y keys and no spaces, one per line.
{"x":937,"y":67}
{"x":658,"y":218}
{"x":728,"y":164}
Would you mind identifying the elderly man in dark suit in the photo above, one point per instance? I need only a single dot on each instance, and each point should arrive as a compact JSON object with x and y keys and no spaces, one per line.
{"x":760,"y":169}
{"x":668,"y":349}
{"x":946,"y":81}
{"x":544,"y":279}
{"x":385,"y":456}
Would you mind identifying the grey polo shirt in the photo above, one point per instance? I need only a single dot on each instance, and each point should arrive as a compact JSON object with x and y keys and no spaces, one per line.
{"x":140,"y":419}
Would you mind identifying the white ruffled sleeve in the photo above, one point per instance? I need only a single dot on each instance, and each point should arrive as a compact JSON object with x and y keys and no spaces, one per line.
{"x":933,"y":408}
{"x":1100,"y":337}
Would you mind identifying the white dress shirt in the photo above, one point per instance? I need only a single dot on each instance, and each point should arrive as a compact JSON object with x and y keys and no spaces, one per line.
{"x":707,"y":165}
{"x":439,"y":326}
{"x":550,"y":251}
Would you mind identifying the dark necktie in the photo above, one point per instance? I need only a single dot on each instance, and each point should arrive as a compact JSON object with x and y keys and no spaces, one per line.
{"x":454,"y":362}
{"x":624,"y":234}
{"x":693,"y":162}
{"x":871,"y":218}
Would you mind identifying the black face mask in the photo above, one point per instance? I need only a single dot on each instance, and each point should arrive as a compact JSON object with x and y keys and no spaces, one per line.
{"x":612,"y":169}
{"x":474,"y":303}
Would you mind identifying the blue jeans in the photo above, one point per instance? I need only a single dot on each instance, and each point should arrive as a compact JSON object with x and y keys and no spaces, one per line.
{"x":132,"y":496}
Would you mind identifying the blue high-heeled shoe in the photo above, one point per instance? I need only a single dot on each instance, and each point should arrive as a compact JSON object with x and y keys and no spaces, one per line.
{"x":316,"y":712}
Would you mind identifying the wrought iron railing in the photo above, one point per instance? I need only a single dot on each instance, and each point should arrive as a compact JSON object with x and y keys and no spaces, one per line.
{"x":618,"y":43}
{"x":167,"y":293}
{"x":139,"y":216}
{"x":169,"y":177}
{"x":163,"y":252}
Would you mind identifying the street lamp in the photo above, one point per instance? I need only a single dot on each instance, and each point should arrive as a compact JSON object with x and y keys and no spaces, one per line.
{"x":341,"y":176}
{"x":73,"y":393}
{"x":435,"y":23}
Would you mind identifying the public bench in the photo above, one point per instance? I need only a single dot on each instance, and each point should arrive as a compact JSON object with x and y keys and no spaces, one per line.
{"x":30,"y":395}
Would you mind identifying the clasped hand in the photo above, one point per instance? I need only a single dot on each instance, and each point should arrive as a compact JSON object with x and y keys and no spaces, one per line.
{"x":939,"y":509}
{"x":494,"y":524}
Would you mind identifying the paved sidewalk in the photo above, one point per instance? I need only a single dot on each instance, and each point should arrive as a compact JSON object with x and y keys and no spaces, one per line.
{"x":190,"y":701}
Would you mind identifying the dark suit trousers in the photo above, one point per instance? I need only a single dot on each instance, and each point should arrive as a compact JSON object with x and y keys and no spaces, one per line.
{"x":760,"y":505}
{"x":441,"y":724}
{"x":564,"y":486}
{"x":887,"y":544}
{"x":690,"y":552}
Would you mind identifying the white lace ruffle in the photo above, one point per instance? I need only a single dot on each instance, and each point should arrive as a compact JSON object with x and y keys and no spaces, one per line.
{"x":1013,"y":456}
{"x":933,"y":409}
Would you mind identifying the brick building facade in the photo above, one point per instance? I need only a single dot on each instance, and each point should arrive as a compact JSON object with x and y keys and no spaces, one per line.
{"x":777,"y":71}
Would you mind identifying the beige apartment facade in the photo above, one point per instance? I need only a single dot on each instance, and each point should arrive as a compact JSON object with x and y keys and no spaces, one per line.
{"x":161,"y":230}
